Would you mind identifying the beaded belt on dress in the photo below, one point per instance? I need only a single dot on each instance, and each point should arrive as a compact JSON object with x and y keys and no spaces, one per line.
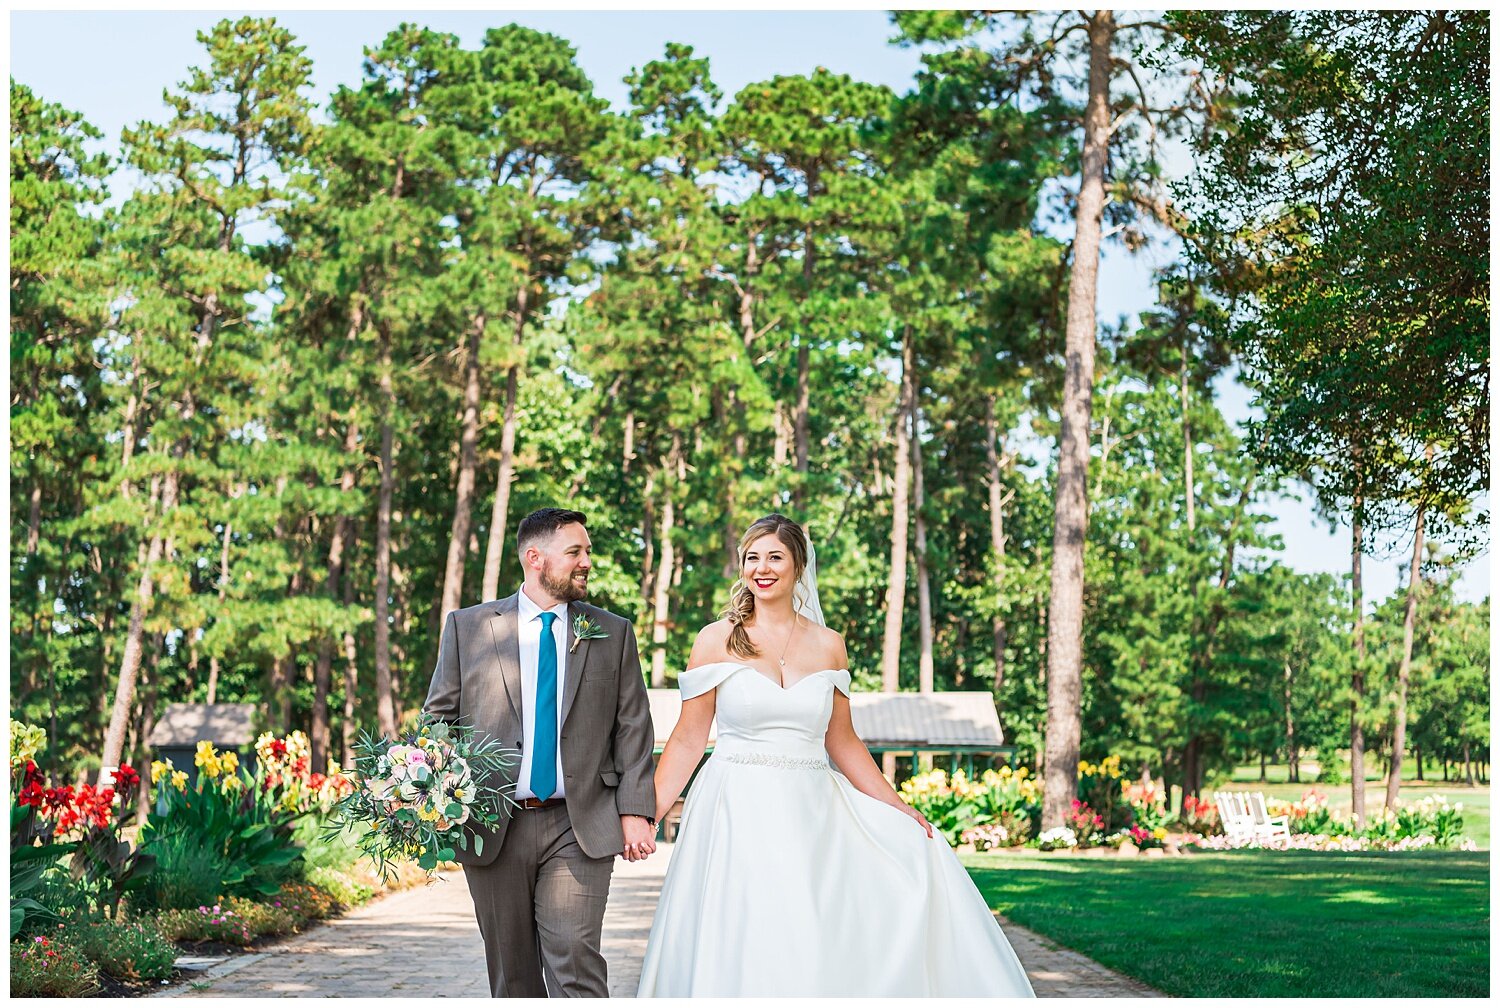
{"x":775,"y":760}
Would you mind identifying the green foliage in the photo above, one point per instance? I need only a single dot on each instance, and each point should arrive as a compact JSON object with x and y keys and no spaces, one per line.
{"x":1341,"y":204}
{"x":51,"y":965}
{"x":704,"y":302}
{"x":128,"y":950}
{"x":345,"y":890}
{"x":215,"y":923}
{"x":192,"y":871}
{"x":265,"y":916}
{"x":244,"y":829}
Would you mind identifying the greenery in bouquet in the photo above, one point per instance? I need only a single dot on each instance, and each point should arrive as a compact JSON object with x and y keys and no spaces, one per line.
{"x":423,"y":792}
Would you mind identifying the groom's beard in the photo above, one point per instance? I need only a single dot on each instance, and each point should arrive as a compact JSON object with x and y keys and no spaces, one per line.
{"x":563,"y":587}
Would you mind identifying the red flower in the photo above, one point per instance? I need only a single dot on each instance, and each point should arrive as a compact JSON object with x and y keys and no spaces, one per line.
{"x":58,"y":799}
{"x":316,"y":781}
{"x":278,"y":748}
{"x":32,"y":794}
{"x":126,"y":778}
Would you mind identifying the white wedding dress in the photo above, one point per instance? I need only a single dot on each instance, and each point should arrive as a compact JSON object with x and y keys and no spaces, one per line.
{"x":786,"y":880}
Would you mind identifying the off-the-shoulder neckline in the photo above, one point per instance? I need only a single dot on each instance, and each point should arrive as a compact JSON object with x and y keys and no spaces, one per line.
{"x":761,"y":675}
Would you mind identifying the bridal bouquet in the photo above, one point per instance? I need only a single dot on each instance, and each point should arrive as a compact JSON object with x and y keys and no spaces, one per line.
{"x":418,"y":792}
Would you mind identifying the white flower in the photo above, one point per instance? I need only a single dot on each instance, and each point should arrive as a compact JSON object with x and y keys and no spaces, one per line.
{"x":1058,"y":836}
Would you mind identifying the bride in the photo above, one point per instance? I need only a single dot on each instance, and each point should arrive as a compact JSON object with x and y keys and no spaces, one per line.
{"x":797,"y":868}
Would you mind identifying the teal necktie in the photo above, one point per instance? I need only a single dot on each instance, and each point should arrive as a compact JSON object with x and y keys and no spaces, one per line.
{"x":544,"y":735}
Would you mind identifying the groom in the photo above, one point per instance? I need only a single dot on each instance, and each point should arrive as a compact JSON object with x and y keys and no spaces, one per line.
{"x":560,"y":681}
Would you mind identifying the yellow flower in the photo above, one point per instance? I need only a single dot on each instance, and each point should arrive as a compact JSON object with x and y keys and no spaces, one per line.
{"x":230,"y":761}
{"x":179,"y":779}
{"x":205,"y":753}
{"x":428,"y":814}
{"x":25,"y":741}
{"x":159,"y":769}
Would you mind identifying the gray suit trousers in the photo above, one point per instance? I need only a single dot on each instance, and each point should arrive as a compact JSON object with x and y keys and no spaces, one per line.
{"x":540,"y":906}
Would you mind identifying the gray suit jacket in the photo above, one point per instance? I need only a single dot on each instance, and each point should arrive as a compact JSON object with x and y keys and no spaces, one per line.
{"x":606,"y":737}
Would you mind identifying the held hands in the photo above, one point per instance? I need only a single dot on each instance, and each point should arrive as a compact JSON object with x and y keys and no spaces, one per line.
{"x":640,"y":837}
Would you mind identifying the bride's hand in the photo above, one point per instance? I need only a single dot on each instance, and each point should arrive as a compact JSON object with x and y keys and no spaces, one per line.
{"x":917,"y":816}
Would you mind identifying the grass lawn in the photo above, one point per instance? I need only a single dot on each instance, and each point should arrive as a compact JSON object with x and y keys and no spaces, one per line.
{"x":1261,"y":923}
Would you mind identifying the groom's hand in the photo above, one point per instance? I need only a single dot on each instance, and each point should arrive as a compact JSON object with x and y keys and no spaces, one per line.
{"x":640,"y":837}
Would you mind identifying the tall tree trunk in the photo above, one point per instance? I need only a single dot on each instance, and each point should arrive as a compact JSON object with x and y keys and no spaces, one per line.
{"x":385,"y":708}
{"x":1357,"y":679}
{"x":799,"y":424}
{"x":1403,"y":672}
{"x":735,"y":409}
{"x":895,"y":592}
{"x":804,"y":356}
{"x":1187,"y":444}
{"x":804,"y":363}
{"x":34,"y":519}
{"x":998,"y":503}
{"x":223,"y":593}
{"x":664,"y":571}
{"x":500,"y":514}
{"x":1292,"y":770}
{"x":781,"y":445}
{"x":648,"y":524}
{"x":1416,"y":755}
{"x":351,"y":679}
{"x":130,"y":659}
{"x":1070,"y":527}
{"x":468,"y":461}
{"x":924,"y":587}
{"x":321,"y":740}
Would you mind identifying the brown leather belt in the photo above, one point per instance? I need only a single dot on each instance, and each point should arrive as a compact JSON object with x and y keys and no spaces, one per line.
{"x":539,"y":803}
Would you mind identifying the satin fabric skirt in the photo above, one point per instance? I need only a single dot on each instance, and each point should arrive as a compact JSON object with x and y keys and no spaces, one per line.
{"x":786,"y":880}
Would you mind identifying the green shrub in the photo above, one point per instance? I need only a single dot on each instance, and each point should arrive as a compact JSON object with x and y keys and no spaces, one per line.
{"x":306,"y":901}
{"x":190,"y":872}
{"x":240,"y":821}
{"x":50,"y":966}
{"x":323,"y":848}
{"x":127,"y":950}
{"x":343,"y":888}
{"x":206,"y":923}
{"x":264,"y":918}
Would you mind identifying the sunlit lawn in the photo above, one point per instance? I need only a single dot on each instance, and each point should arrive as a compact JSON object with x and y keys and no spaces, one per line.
{"x":1261,"y":923}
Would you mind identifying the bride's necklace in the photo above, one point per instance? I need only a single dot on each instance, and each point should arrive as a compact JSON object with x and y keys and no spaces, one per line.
{"x":782,"y":660}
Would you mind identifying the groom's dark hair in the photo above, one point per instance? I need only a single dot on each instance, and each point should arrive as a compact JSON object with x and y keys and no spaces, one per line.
{"x":541,"y":524}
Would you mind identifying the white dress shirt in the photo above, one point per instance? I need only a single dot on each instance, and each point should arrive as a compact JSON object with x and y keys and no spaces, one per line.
{"x":529,"y":635}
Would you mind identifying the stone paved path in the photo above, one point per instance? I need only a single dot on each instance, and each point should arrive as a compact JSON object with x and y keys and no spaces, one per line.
{"x":386,"y":949}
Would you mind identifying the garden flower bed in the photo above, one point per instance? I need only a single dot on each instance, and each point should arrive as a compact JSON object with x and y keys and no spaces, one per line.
{"x":240,"y":861}
{"x":1001,"y":809}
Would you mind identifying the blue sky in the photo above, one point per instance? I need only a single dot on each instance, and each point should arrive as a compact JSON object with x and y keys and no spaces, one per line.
{"x":114,"y":66}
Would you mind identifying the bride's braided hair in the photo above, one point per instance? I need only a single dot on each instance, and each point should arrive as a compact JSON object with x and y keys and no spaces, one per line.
{"x":741,"y":610}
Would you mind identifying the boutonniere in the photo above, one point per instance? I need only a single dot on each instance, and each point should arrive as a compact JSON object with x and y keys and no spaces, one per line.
{"x":585,"y":629}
